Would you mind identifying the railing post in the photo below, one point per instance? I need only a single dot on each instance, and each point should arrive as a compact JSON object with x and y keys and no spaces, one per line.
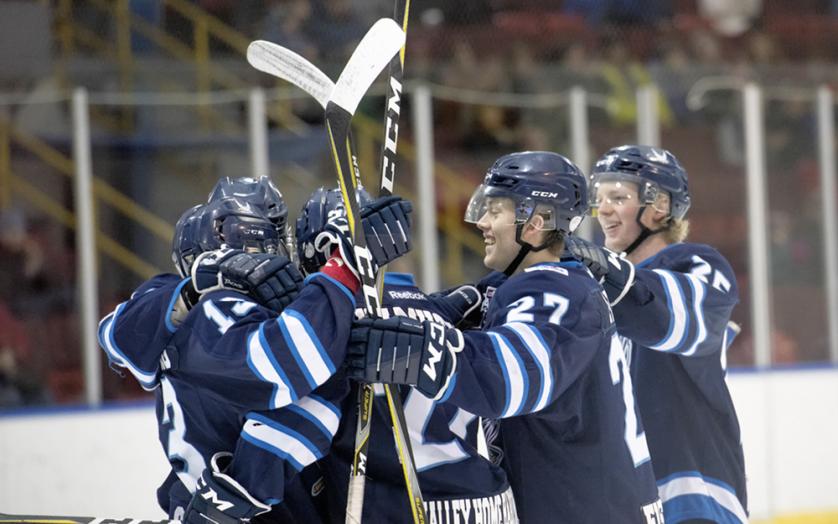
{"x":125,"y":54}
{"x":648,"y":120}
{"x":425,"y":190}
{"x":88,"y":298}
{"x":258,"y":130}
{"x":760,"y":279}
{"x":826,"y":157}
{"x":202,"y":67}
{"x":579,"y":146}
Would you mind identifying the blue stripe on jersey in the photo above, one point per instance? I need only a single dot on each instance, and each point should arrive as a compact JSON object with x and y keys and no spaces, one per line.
{"x":678,"y":319}
{"x":335,"y":282}
{"x":320,"y":413}
{"x":699,"y":292}
{"x":148,"y":380}
{"x":263,"y":363}
{"x":305,"y":347}
{"x":398,"y":279}
{"x":167,"y":317}
{"x":280,"y":440}
{"x":688,"y":494}
{"x":514,"y":375}
{"x":538,"y":348}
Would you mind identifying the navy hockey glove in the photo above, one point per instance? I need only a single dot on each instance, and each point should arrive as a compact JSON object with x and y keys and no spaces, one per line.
{"x":386,"y":223}
{"x":615,"y":272}
{"x":457,"y":303}
{"x":403,"y":351}
{"x":205,"y":277}
{"x":219,"y":499}
{"x":271,"y":280}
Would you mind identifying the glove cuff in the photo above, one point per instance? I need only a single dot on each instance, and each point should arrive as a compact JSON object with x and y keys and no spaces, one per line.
{"x":627,"y":272}
{"x":339,"y":270}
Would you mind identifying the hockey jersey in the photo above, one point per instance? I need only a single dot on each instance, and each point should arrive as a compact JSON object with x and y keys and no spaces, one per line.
{"x":549,"y":364}
{"x":236,"y":377}
{"x":673,"y":323}
{"x":458,"y":484}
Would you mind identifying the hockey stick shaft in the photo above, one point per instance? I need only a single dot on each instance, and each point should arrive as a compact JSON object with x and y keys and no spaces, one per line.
{"x":45,"y":519}
{"x":291,"y":67}
{"x":387,"y":172}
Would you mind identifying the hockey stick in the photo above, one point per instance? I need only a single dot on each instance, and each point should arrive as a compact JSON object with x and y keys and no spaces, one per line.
{"x":339,"y":111}
{"x":386,"y":182}
{"x":43,"y":519}
{"x":291,"y":67}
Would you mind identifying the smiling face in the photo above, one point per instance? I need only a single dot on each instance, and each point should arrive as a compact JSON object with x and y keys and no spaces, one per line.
{"x":498,"y":227}
{"x":617,"y":206}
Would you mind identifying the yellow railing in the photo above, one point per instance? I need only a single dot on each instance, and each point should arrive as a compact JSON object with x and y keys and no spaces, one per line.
{"x":104,"y":192}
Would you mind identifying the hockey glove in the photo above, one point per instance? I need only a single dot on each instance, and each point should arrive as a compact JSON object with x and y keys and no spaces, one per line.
{"x":219,"y":499}
{"x":271,"y":280}
{"x":386,"y":223}
{"x":615,"y":272}
{"x":205,"y":277}
{"x":404,"y":351}
{"x":457,"y":303}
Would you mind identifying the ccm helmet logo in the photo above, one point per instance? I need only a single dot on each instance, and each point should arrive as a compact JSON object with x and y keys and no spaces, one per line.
{"x":544,"y":194}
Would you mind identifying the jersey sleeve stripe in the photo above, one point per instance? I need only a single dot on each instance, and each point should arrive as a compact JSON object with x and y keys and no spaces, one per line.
{"x":282,"y":441}
{"x":694,"y":484}
{"x":306,"y":348}
{"x":333,"y":281}
{"x":264,"y":366}
{"x":515,"y":377}
{"x":318,"y":414}
{"x":535,"y":344}
{"x":167,"y":318}
{"x":699,"y":292}
{"x":148,"y":380}
{"x":677,"y":313}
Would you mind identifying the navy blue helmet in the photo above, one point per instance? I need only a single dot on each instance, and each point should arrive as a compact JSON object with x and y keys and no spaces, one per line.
{"x":260,"y":192}
{"x":323,"y":205}
{"x":229,"y":222}
{"x":535,"y":179}
{"x":652,"y":169}
{"x":185,"y":241}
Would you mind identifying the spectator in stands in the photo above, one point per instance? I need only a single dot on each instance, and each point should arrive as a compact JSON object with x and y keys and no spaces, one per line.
{"x":21,"y":261}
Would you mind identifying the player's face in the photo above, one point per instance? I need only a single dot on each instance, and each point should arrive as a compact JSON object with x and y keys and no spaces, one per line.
{"x":498,"y":227}
{"x":617,"y":206}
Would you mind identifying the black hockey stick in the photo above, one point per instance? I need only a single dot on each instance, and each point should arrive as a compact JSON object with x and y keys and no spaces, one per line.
{"x":288,"y":65}
{"x":345,"y":98}
{"x":43,"y":519}
{"x":387,"y":174}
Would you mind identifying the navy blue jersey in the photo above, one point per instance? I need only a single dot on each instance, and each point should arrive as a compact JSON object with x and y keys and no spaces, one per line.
{"x":458,"y":485}
{"x":674,"y":320}
{"x":549,"y":364}
{"x":237,"y":377}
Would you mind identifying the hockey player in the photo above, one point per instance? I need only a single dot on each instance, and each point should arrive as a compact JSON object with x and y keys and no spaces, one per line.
{"x":234,"y":377}
{"x":547,"y":361}
{"x":672,"y":302}
{"x":458,"y":485}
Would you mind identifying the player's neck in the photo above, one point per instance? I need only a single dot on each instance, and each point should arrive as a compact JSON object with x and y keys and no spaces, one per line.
{"x":648,"y":248}
{"x":536,"y":257}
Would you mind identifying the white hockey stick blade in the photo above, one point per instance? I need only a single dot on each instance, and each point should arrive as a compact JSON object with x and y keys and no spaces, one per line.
{"x":283,"y":63}
{"x":381,"y":43}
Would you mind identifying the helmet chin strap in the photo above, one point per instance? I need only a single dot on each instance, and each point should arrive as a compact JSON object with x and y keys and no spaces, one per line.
{"x":645,"y":232}
{"x":526,"y":248}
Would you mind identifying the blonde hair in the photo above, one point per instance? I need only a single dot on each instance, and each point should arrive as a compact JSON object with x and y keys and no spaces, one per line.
{"x":677,"y":229}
